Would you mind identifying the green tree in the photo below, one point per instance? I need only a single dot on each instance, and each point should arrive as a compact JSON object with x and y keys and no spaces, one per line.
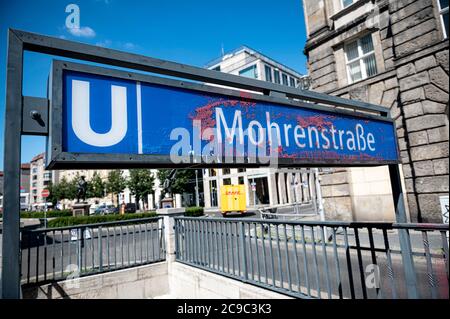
{"x":70,"y":188}
{"x":62,"y":190}
{"x":95,"y":187}
{"x":115,"y":183}
{"x":184,"y":181}
{"x":55,"y":193}
{"x":141,"y":184}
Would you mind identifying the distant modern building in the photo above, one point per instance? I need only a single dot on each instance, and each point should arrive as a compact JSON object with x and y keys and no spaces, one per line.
{"x":396,"y":54}
{"x":264,"y":186}
{"x":24,"y":187}
{"x":247,"y":62}
{"x":40,"y":178}
{"x":25,"y":178}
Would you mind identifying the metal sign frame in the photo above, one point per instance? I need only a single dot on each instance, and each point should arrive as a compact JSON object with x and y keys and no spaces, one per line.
{"x":58,"y":159}
{"x":20,"y":108}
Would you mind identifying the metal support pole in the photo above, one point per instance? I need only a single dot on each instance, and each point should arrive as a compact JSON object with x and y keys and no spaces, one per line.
{"x":244,"y":253}
{"x":45,"y":213}
{"x":319,"y":200}
{"x":253,"y":184}
{"x":197,"y":199}
{"x":405,"y":243}
{"x":319,"y":195}
{"x":11,"y":204}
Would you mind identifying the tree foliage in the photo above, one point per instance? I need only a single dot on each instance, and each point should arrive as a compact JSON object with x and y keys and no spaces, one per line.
{"x":141,"y":184}
{"x":184,"y":181}
{"x":95,"y":187}
{"x":115,"y":183}
{"x":62,"y":190}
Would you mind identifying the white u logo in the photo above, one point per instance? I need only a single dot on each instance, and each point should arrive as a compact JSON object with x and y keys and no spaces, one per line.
{"x":81,"y":115}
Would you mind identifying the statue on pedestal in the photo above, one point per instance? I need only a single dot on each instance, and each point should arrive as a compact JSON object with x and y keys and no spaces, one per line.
{"x":81,"y":189}
{"x":167,"y":185}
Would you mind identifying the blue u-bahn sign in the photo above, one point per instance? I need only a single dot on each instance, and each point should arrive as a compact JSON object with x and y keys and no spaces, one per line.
{"x":110,"y":117}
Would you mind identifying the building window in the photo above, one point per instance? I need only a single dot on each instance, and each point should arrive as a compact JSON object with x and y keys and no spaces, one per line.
{"x":34,"y":170}
{"x":292,"y":82}
{"x":47,"y":175}
{"x":276,"y":76}
{"x":213,"y":188}
{"x":268,"y":71}
{"x":241,"y":180}
{"x":443,"y":11}
{"x":249,"y":72}
{"x":212,"y":172}
{"x":360,"y":57}
{"x":285,"y":79}
{"x":217,"y":68}
{"x":227,"y":181}
{"x":34,"y":184}
{"x":346,"y":3}
{"x":226,"y":171}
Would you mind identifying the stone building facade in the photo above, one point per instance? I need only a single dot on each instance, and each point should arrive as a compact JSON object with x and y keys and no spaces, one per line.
{"x":392,"y":53}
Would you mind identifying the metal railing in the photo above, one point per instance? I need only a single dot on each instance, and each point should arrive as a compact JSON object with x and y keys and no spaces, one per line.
{"x":54,"y":254}
{"x":320,"y":259}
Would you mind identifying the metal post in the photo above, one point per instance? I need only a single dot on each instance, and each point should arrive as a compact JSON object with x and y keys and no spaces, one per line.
{"x":197,"y":199}
{"x":12,"y":150}
{"x":319,"y":200}
{"x":100,"y":248}
{"x":319,"y":196}
{"x":45,"y":213}
{"x":80,"y":233}
{"x":244,"y":253}
{"x":253,"y":184}
{"x":405,"y":244}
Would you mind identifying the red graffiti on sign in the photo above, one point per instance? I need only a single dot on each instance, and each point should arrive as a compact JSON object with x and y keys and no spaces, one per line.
{"x":319,"y":121}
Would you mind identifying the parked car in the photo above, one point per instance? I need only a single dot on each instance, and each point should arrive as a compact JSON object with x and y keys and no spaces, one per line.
{"x":130,"y":208}
{"x":106,"y":209}
{"x":111,"y":209}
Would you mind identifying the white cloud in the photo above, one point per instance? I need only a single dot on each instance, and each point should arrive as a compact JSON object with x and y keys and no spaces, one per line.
{"x":105,"y":43}
{"x":86,"y":32}
{"x":129,"y":46}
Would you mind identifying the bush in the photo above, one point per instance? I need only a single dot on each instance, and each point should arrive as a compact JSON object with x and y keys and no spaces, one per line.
{"x":85,"y":220}
{"x":194,"y":211}
{"x":50,"y":214}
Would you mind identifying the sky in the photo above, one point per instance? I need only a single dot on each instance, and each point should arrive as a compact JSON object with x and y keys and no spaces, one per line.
{"x":190,"y":32}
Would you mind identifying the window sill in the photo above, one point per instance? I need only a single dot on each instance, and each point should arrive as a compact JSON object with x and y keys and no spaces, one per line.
{"x":348,"y":9}
{"x":367,"y":81}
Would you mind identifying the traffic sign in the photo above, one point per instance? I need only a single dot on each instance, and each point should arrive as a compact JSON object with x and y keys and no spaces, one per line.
{"x":45,"y":193}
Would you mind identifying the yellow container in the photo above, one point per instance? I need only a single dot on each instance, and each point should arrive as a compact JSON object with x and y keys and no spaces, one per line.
{"x":232,"y":198}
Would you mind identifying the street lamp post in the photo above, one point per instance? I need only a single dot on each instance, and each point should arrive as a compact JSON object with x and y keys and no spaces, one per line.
{"x":197,"y":199}
{"x":254,"y":192}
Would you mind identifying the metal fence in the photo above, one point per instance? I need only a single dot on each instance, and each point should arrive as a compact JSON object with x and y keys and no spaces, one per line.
{"x":68,"y":252}
{"x":320,"y":259}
